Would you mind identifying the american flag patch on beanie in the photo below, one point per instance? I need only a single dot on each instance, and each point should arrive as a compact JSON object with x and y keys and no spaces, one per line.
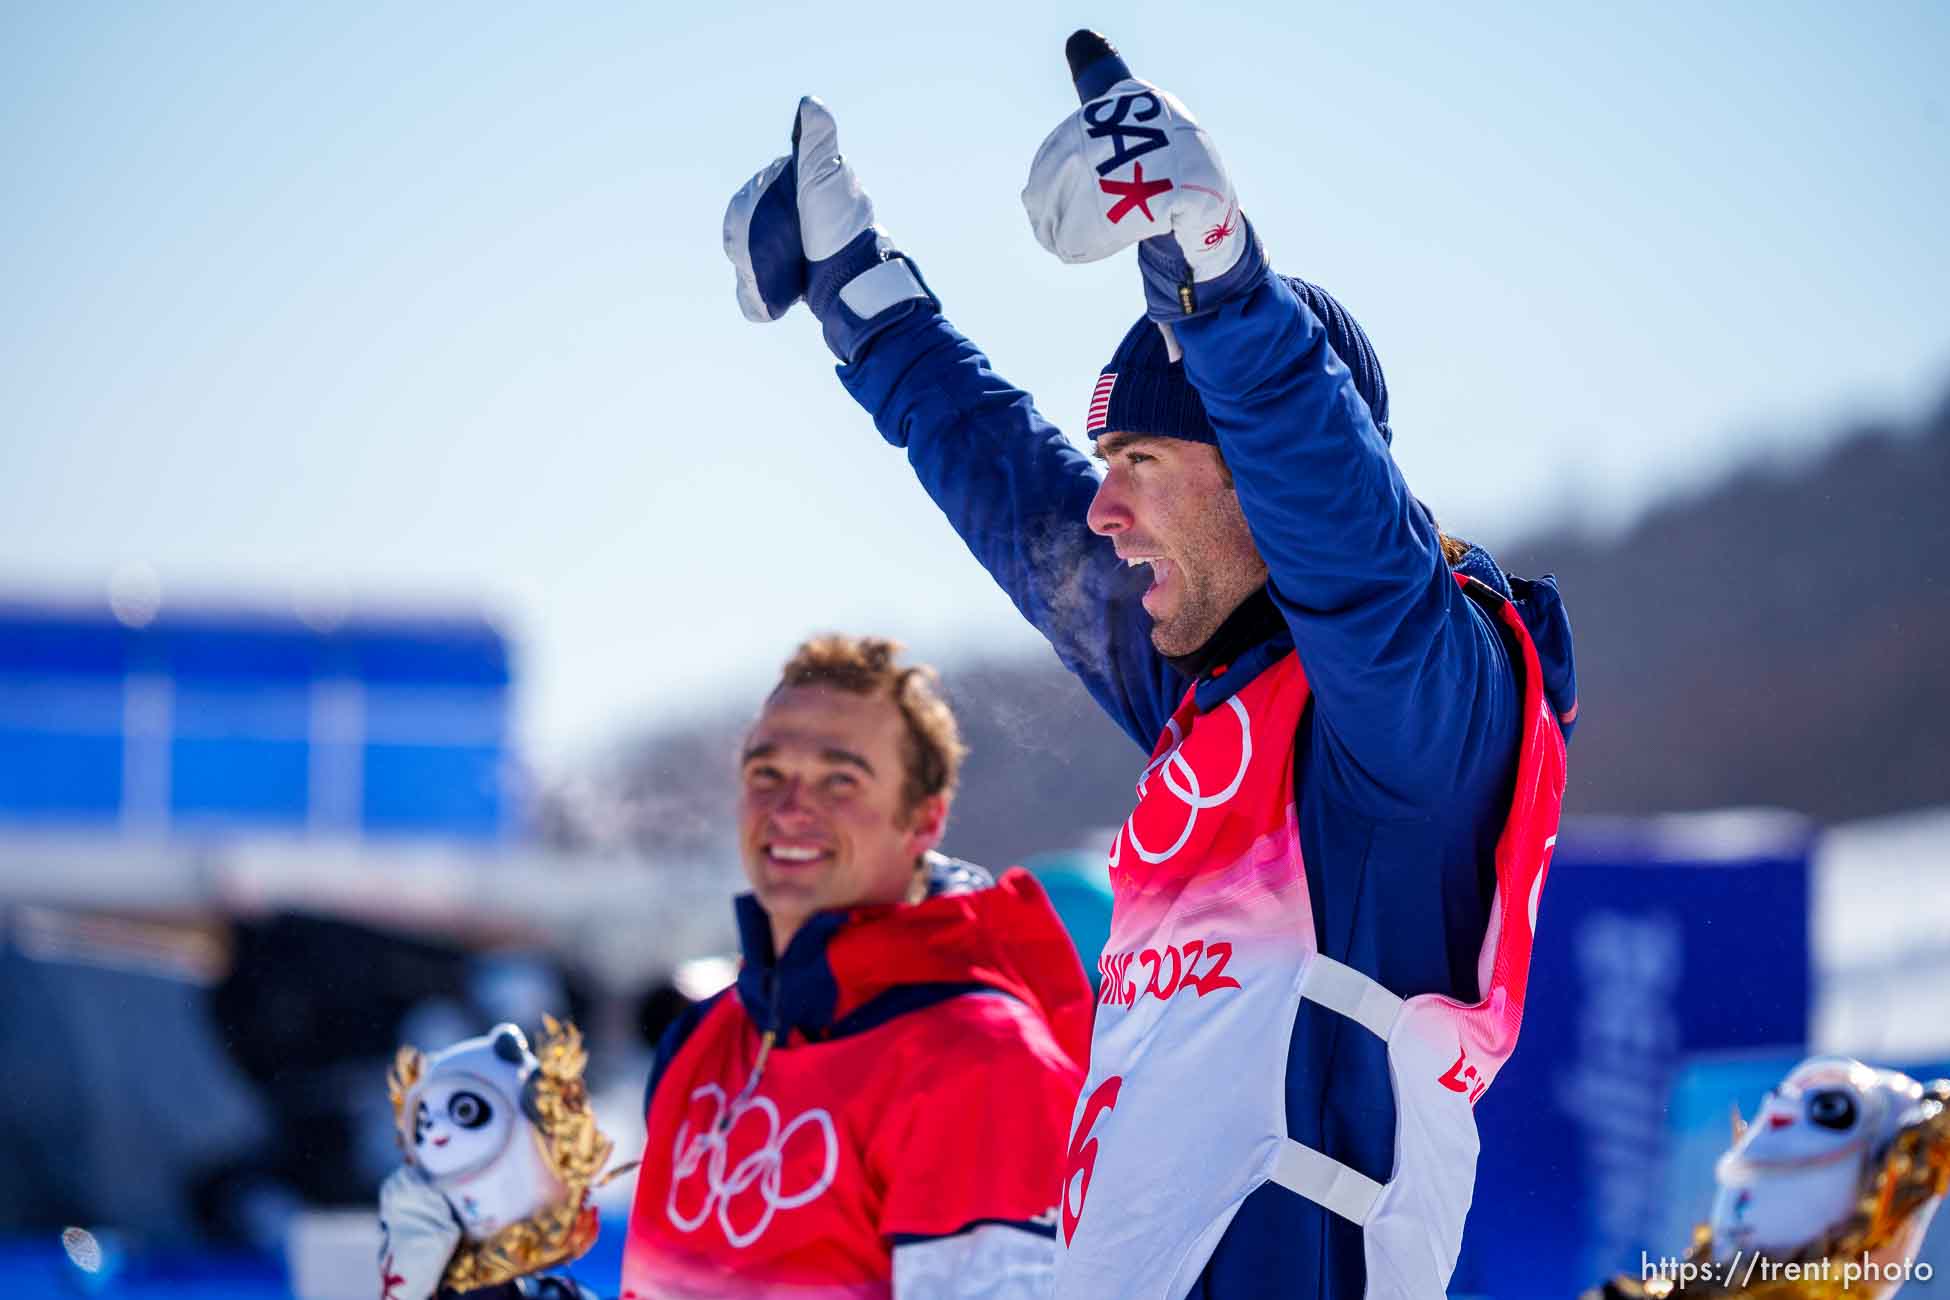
{"x":1100,"y":403}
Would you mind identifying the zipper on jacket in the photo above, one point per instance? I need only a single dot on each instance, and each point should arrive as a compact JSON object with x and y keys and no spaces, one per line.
{"x":765,"y":1042}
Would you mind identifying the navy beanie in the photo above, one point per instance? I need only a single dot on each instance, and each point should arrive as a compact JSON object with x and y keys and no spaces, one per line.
{"x":1143,"y":391}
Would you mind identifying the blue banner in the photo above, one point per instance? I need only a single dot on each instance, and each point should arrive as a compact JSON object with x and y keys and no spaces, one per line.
{"x":1656,"y":939}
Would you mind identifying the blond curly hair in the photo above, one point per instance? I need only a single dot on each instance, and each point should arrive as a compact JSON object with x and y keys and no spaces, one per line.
{"x":931,"y":747}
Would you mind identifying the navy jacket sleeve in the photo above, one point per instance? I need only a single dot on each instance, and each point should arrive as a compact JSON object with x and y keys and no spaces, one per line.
{"x":1018,"y":492}
{"x":1413,"y":689}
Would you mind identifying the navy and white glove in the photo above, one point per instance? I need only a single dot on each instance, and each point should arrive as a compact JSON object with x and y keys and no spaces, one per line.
{"x":1133,"y":167}
{"x":418,"y":1234}
{"x":803,"y":228}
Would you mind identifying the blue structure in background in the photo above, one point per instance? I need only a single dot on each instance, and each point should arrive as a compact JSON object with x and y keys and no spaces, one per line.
{"x":206,"y":719}
{"x":1078,"y":885}
{"x":1657,"y":940}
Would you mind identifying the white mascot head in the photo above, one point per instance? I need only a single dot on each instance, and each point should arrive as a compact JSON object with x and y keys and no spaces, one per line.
{"x":463,"y":1123}
{"x":1837,"y":1176}
{"x":1796,"y":1171}
{"x":1844,"y":1163}
{"x":509,"y":1139}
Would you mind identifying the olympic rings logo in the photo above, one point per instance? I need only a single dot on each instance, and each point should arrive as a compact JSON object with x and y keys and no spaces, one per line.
{"x":762,"y":1170}
{"x":1182,"y":781}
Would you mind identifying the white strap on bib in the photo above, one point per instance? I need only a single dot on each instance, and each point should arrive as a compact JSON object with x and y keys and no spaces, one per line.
{"x":1326,"y":1181}
{"x":1339,"y":987}
{"x":1320,"y":1178}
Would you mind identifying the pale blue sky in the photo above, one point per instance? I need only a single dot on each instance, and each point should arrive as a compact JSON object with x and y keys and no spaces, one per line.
{"x":427,"y":300}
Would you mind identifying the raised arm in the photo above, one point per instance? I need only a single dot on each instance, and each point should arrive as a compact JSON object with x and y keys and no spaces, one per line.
{"x":1017,"y":492}
{"x":1406,"y":675}
{"x":1011,"y":486}
{"x":1409,"y":677}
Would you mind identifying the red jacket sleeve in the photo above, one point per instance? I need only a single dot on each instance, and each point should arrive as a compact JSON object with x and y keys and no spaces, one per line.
{"x":982,"y":1139}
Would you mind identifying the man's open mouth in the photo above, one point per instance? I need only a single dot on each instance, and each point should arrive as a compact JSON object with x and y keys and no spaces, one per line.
{"x":1161,"y":570}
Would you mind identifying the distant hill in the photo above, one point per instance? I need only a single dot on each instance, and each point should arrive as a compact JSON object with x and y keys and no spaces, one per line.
{"x":1782,"y":638}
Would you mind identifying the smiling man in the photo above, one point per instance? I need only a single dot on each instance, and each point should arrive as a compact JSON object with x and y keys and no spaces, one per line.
{"x":844,"y":796}
{"x":878,"y":1106}
{"x":1324,"y":900}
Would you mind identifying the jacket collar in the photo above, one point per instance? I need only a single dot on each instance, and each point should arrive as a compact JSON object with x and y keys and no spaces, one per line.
{"x":1252,"y":638}
{"x":850,"y":971}
{"x":1254,"y":620}
{"x":1479,"y":564}
{"x":793,"y":990}
{"x":805,"y":990}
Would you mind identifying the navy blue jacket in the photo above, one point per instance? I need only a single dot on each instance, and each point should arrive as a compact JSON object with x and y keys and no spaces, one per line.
{"x":1404,"y":761}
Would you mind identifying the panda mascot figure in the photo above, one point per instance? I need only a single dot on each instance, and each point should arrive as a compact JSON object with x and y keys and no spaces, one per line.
{"x":1825,"y":1194}
{"x":501,"y":1151}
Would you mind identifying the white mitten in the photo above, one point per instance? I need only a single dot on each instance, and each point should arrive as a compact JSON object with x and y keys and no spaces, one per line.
{"x":804,"y":228}
{"x":417,"y":1236}
{"x":1132,"y":166}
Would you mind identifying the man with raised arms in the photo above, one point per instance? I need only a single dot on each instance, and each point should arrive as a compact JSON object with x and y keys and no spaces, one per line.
{"x":1325,"y":896}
